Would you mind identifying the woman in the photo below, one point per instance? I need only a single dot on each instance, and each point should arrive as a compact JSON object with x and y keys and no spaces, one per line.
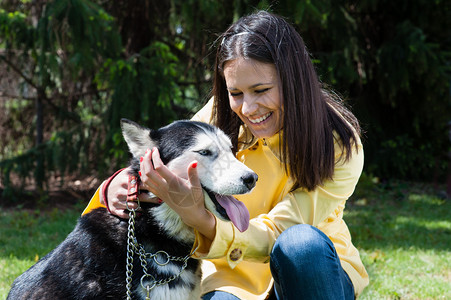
{"x":305,"y":147}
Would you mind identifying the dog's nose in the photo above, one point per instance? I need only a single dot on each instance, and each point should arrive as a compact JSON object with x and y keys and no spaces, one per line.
{"x":249,"y":180}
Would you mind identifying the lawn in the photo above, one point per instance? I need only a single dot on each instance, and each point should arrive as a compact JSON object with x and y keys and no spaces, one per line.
{"x":403,"y":231}
{"x":27,"y":235}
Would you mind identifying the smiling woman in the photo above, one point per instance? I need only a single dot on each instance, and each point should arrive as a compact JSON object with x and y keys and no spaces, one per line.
{"x":254,"y":95}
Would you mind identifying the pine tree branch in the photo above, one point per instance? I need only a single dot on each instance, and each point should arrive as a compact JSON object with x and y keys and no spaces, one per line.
{"x":18,"y":71}
{"x":5,"y":96}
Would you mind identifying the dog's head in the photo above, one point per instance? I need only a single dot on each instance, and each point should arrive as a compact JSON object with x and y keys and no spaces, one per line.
{"x":220,"y":173}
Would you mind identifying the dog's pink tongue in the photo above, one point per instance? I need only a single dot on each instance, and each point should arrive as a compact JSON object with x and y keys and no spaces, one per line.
{"x":236,"y":210}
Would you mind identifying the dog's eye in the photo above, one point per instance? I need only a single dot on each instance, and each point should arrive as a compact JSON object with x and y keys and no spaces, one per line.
{"x":204,"y":152}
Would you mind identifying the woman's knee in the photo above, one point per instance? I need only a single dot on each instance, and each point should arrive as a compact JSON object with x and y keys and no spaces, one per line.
{"x":219,"y":295}
{"x":303,"y":262}
{"x":301,"y":241}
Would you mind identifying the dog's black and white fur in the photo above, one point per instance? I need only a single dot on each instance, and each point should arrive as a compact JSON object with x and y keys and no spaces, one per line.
{"x":91,"y":262}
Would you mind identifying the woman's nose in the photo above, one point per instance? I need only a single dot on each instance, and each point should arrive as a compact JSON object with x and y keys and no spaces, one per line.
{"x":249,"y":106}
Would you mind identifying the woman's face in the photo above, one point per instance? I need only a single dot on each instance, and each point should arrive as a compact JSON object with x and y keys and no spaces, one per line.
{"x":254,"y":95}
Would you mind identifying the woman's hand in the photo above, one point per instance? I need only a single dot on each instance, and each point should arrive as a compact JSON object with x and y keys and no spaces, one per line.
{"x":183,"y":193}
{"x":117,"y":195}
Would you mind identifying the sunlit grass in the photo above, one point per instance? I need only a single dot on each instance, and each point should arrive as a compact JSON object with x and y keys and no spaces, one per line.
{"x":26,"y":236}
{"x":403,"y":232}
{"x":407,"y":274}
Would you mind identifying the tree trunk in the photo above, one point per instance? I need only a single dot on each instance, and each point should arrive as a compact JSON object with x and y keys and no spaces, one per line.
{"x":39,"y":175}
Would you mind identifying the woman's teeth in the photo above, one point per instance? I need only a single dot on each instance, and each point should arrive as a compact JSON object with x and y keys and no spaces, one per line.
{"x":261,"y":119}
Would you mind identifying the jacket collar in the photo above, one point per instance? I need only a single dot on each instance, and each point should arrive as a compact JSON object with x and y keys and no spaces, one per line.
{"x":246,"y":140}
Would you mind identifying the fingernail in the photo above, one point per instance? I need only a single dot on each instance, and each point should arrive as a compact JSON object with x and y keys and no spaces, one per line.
{"x":194,"y":165}
{"x":139,"y":173}
{"x":141,"y":159}
{"x":160,"y":201}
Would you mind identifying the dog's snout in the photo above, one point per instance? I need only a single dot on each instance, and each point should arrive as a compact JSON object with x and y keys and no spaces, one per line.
{"x":249,"y":180}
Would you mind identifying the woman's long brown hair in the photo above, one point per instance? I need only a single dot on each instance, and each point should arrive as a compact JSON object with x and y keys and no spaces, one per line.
{"x":310,"y":113}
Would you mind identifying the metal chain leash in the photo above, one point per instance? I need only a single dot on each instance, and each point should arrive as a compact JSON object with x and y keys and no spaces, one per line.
{"x":134,"y":247}
{"x":167,"y":258}
{"x":131,"y":246}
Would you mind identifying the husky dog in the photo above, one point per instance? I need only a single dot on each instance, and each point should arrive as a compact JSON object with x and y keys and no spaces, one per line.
{"x":91,"y":262}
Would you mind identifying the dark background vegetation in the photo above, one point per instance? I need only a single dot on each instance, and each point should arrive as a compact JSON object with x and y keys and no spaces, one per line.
{"x":70,"y":69}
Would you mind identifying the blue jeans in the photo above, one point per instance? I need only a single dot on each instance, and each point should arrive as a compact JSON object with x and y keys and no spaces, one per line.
{"x":304,"y":265}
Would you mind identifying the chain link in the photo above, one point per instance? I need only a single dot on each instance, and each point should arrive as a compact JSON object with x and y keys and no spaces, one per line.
{"x":134,"y":247}
{"x":131,"y":246}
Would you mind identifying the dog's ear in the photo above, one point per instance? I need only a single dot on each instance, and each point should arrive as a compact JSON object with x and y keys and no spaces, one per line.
{"x":137,"y":137}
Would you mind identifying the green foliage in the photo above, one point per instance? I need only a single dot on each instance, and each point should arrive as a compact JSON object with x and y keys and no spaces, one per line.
{"x":402,"y":156}
{"x":65,"y":153}
{"x":82,"y":28}
{"x":15,"y":30}
{"x":74,"y":63}
{"x":53,"y":61}
{"x":145,"y":89}
{"x":392,"y":59}
{"x":91,"y":63}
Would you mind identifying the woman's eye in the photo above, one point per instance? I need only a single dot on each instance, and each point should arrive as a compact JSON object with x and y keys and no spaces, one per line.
{"x":261,"y":91}
{"x":236,"y":94}
{"x":204,"y":152}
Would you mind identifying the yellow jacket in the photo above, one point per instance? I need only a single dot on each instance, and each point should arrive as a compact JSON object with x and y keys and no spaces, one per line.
{"x":237,"y":262}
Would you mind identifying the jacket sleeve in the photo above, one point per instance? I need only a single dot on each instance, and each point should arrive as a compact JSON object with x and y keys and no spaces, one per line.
{"x":94,"y":202}
{"x":297,"y":207}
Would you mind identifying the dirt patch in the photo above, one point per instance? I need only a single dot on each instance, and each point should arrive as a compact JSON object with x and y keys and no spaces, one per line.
{"x":61,"y":196}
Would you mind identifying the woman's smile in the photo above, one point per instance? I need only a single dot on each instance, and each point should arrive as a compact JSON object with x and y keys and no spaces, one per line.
{"x":261,"y":119}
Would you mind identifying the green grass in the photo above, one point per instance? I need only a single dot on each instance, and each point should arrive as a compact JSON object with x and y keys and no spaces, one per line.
{"x":403,"y":231}
{"x":26,"y":236}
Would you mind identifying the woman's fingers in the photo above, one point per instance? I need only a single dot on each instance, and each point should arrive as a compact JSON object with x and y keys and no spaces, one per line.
{"x":117,"y":188}
{"x":192,"y":174}
{"x":119,"y":208}
{"x":120,"y":213}
{"x":160,"y":168}
{"x":175,"y":189}
{"x":149,"y":175}
{"x":145,"y":197}
{"x":101,"y":200}
{"x":146,"y":194}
